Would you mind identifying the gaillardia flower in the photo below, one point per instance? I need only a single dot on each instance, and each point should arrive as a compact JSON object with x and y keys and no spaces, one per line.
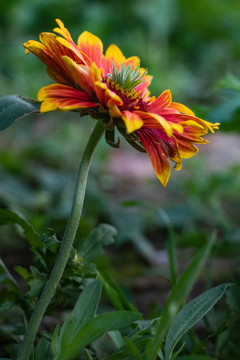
{"x":115,"y":89}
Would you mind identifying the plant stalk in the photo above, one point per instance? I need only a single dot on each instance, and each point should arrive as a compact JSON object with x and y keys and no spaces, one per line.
{"x":64,"y":251}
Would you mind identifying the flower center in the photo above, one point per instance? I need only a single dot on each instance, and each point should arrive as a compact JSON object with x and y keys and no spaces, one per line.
{"x":126,"y":76}
{"x":132,"y":99}
{"x":123,"y":82}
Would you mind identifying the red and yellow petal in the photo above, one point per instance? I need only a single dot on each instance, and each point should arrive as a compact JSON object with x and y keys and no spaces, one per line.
{"x":80,"y":75}
{"x":132,"y":121}
{"x":92,"y":46}
{"x":186,"y":149}
{"x":63,"y":97}
{"x":163,"y":101}
{"x":182,"y":108}
{"x":155,"y":121}
{"x":34,"y":47}
{"x":157,"y":152}
{"x":62,"y":30}
{"x":184,"y":119}
{"x":113,"y":53}
{"x":50,"y":52}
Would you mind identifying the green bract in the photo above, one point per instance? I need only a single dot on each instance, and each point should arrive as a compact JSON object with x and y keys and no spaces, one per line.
{"x":126,"y":76}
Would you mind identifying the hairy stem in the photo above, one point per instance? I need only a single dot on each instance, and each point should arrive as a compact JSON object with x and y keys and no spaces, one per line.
{"x":69,"y":236}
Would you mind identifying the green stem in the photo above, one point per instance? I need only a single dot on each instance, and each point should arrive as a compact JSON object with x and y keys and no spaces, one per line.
{"x":69,"y":236}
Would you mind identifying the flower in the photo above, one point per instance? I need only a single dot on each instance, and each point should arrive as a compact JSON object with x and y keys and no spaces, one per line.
{"x":115,"y":89}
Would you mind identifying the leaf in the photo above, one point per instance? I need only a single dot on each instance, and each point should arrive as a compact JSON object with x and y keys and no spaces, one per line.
{"x":190,"y":314}
{"x":54,"y":342}
{"x":95,"y":328}
{"x":43,"y":350}
{"x":8,"y":305}
{"x":14,"y":107}
{"x":123,"y":352}
{"x":87,"y":354}
{"x":133,"y":349}
{"x":50,"y":240}
{"x":36,"y":284}
{"x":92,"y":247}
{"x":10,"y":217}
{"x":86,"y":306}
{"x":177,"y":296}
{"x":84,"y":310}
{"x":116,"y":337}
{"x":114,"y":293}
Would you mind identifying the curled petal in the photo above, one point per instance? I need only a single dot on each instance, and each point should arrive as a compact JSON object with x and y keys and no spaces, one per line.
{"x":80,"y":74}
{"x":132,"y":121}
{"x":163,"y":101}
{"x":63,"y":97}
{"x":183,"y":118}
{"x":50,"y":52}
{"x":62,"y":30}
{"x":113,"y":109}
{"x":186,"y":149}
{"x":35,"y":47}
{"x":155,"y":121}
{"x":112,"y":95}
{"x":181,"y":108}
{"x":157,"y":152}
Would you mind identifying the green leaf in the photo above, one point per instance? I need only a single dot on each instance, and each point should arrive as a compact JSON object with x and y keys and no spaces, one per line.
{"x":133,"y":349}
{"x":43,"y":350}
{"x":8,"y":305}
{"x":92,"y":247}
{"x":54,"y":342}
{"x":50,"y":240}
{"x":114,"y":294}
{"x":190,"y":314}
{"x":84,"y":310}
{"x":95,"y":328}
{"x":177,"y":297}
{"x":86,"y":306}
{"x":10,"y":217}
{"x":87,"y":354}
{"x":36,"y":284}
{"x":116,"y":337}
{"x":14,"y":107}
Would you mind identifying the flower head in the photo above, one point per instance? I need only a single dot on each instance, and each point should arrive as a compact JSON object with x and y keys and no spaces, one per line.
{"x":115,"y":89}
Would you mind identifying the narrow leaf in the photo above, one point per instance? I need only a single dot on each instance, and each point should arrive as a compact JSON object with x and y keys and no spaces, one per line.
{"x":84,"y":310}
{"x":116,"y":337}
{"x":14,"y":107}
{"x":95,"y":328}
{"x":115,"y":294}
{"x":190,"y":314}
{"x":177,"y":296}
{"x":54,"y":342}
{"x":87,"y":303}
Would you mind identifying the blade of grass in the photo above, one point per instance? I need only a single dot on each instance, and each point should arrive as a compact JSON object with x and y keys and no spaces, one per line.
{"x":176,"y":298}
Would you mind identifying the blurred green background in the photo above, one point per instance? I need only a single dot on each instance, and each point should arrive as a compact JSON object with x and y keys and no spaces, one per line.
{"x":189,"y":47}
{"x":186,"y":45}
